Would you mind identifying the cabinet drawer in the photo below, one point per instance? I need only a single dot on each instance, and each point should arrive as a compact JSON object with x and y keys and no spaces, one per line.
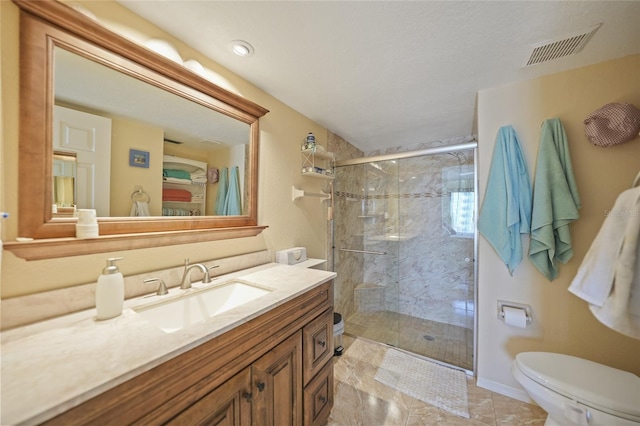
{"x":317,"y":344}
{"x":318,"y":397}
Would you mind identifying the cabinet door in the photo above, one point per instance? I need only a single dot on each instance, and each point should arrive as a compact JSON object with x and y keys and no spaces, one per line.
{"x":227,"y":405}
{"x":277,"y":385}
{"x":317,"y":339}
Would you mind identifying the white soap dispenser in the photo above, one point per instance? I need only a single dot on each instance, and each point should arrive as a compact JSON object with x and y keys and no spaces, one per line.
{"x":110,"y":291}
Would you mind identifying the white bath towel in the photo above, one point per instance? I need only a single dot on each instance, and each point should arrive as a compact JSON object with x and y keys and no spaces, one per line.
{"x":609,"y":276}
{"x":140,"y":208}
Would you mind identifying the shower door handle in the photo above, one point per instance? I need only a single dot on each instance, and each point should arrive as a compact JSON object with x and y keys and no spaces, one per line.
{"x":364,"y":251}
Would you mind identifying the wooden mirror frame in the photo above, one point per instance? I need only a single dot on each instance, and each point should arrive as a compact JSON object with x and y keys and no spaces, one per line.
{"x":46,"y":24}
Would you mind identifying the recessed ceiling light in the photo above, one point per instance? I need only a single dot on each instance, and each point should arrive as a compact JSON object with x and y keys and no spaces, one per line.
{"x":241,"y":48}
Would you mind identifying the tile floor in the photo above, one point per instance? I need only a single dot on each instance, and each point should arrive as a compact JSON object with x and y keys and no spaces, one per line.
{"x":359,"y":400}
{"x":448,"y":343}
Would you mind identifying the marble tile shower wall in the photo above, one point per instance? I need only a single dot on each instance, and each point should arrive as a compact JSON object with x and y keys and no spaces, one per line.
{"x":349,"y":267}
{"x":348,"y":235}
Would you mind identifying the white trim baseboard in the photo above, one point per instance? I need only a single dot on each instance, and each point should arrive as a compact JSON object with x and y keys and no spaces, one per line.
{"x":505,"y":390}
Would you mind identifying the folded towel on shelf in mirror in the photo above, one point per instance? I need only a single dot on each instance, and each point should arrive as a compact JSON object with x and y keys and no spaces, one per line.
{"x":180,"y":174}
{"x":169,"y":194}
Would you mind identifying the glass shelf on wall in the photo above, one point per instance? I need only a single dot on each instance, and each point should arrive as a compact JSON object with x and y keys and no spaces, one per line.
{"x":317,"y":163}
{"x":318,"y":175}
{"x":319,"y":153}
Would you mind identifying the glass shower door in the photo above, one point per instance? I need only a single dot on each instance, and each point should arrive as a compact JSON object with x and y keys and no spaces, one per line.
{"x":437,"y":245}
{"x":366,"y":250}
{"x":404,"y":248}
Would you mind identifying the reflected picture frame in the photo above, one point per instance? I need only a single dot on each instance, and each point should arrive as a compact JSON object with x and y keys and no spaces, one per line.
{"x":138,"y":158}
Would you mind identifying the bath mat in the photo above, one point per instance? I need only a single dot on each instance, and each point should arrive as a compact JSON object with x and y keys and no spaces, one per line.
{"x":427,"y":381}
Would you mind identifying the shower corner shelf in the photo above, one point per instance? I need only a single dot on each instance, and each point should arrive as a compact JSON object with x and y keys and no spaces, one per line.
{"x":317,"y":163}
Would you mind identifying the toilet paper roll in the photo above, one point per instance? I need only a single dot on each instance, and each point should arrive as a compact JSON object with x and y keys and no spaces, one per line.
{"x":515,"y":317}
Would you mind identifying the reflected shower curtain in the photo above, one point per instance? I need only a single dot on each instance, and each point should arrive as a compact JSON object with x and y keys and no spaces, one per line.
{"x":64,"y":189}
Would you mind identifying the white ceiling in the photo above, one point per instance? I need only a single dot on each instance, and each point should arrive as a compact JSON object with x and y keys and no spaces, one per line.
{"x":389,"y":73}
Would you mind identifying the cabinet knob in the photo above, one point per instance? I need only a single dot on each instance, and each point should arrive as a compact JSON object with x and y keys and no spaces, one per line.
{"x":322,"y":343}
{"x":248,"y":396}
{"x":260,"y":386}
{"x":323,"y":399}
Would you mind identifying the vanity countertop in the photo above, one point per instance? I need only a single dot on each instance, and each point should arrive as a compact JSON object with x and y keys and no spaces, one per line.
{"x":51,"y":366}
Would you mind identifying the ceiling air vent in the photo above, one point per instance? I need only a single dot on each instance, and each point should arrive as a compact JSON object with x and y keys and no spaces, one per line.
{"x":563,"y":46}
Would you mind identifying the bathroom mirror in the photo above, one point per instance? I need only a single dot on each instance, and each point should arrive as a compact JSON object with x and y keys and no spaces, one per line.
{"x":102,"y":114}
{"x":49,"y":30}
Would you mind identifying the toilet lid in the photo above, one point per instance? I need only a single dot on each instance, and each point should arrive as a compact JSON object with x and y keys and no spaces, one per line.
{"x":604,"y":388}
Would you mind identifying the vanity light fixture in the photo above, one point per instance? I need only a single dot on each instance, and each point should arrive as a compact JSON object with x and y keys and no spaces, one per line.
{"x":241,"y":48}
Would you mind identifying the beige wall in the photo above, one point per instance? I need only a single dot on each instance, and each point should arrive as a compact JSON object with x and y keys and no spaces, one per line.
{"x":129,"y":134}
{"x":561,"y":321}
{"x":302,"y":223}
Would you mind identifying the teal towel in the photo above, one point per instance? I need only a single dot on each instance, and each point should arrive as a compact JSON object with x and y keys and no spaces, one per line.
{"x":555,"y":201}
{"x":232,"y":202}
{"x":506,"y":209}
{"x":221,"y":197}
{"x":180,"y":174}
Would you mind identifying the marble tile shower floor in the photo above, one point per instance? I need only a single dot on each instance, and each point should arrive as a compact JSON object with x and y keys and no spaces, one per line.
{"x":447,"y":343}
{"x":360,"y":400}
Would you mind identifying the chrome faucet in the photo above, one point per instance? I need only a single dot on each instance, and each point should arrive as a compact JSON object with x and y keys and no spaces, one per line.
{"x":186,"y":281}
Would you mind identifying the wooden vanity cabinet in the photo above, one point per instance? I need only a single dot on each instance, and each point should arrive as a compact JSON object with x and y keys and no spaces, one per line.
{"x":268,"y":392}
{"x":273,"y":370}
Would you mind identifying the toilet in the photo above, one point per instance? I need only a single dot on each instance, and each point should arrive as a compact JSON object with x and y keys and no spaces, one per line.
{"x":574,"y":391}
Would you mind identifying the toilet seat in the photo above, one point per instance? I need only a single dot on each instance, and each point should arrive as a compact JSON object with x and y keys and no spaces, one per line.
{"x":603,"y":388}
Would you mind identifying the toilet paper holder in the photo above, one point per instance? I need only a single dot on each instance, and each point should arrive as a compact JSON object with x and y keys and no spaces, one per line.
{"x":502,"y":304}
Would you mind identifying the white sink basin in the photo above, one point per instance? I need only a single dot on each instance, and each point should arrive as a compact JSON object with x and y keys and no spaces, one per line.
{"x":178,"y":314}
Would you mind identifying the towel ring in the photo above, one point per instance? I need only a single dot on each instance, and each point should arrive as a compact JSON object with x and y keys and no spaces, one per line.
{"x":140,"y":193}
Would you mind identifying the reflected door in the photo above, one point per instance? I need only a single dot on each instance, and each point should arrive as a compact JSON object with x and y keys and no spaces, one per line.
{"x":89,"y":136}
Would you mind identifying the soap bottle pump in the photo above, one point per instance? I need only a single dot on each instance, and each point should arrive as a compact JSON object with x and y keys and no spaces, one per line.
{"x":110,"y":291}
